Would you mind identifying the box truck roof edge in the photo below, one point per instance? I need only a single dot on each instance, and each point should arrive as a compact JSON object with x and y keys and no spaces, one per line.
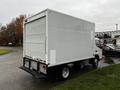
{"x":57,"y":12}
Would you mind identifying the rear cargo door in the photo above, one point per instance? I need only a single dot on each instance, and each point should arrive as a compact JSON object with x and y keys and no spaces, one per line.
{"x":35,"y":33}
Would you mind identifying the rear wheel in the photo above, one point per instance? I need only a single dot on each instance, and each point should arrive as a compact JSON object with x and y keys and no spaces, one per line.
{"x":95,"y":63}
{"x":65,"y":72}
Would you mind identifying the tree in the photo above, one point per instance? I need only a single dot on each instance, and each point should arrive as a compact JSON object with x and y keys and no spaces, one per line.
{"x":11,"y":28}
{"x":19,"y":28}
{"x":3,"y":35}
{"x":12,"y":32}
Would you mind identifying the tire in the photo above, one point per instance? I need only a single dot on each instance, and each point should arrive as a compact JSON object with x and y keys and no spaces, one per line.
{"x":64,"y":73}
{"x":95,"y":63}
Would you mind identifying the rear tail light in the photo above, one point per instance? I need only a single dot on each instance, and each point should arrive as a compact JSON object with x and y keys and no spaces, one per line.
{"x":43,"y":68}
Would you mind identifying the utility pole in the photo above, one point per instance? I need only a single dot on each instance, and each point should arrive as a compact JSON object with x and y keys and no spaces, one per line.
{"x":116,"y":27}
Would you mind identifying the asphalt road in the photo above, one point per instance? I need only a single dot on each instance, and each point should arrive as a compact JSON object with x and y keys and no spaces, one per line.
{"x":13,"y":78}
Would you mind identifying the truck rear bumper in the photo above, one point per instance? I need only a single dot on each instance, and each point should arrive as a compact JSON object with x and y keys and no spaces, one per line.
{"x":33,"y":73}
{"x":35,"y":68}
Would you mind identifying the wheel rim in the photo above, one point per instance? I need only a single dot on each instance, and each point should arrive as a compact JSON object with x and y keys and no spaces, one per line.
{"x":96,"y":62}
{"x":65,"y":72}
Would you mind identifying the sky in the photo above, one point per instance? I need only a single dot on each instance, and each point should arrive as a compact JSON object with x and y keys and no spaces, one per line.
{"x":104,"y":13}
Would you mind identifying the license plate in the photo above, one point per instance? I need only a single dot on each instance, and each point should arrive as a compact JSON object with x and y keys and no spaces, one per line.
{"x":34,"y":65}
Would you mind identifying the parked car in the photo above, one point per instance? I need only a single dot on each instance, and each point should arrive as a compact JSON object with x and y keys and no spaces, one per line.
{"x":111,"y":50}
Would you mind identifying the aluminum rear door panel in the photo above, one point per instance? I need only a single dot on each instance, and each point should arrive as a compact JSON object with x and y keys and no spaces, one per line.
{"x":35,"y":33}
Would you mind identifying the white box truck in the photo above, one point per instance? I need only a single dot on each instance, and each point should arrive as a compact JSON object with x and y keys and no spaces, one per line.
{"x":53,"y":42}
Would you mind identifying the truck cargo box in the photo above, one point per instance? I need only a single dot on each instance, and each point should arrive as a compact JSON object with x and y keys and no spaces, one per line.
{"x":55,"y":38}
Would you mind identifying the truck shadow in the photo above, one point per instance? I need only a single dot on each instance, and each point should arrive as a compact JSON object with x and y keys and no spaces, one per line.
{"x":47,"y":84}
{"x":78,"y":72}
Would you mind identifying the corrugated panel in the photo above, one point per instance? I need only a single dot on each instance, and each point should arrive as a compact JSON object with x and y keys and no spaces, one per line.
{"x":35,"y":38}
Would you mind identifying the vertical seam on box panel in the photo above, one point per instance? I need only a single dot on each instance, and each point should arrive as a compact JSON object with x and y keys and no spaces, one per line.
{"x":46,"y":40}
{"x":24,"y":49}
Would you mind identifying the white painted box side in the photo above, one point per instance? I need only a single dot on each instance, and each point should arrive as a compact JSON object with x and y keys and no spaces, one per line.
{"x":69,"y":39}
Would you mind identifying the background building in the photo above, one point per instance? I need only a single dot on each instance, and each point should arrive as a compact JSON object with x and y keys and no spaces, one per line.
{"x":109,"y":36}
